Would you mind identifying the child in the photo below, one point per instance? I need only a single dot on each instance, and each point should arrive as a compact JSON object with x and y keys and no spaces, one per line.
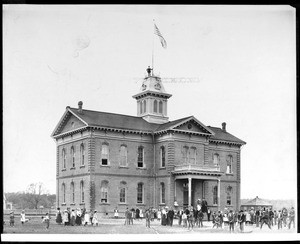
{"x":46,"y":220}
{"x":66,"y":218}
{"x":95,"y":218}
{"x":12,"y":219}
{"x":23,"y":217}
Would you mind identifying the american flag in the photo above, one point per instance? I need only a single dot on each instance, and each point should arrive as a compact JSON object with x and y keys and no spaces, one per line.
{"x":161,"y":38}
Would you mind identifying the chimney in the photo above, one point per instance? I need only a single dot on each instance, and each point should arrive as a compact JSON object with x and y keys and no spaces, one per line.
{"x":224,"y":126}
{"x":80,"y":107}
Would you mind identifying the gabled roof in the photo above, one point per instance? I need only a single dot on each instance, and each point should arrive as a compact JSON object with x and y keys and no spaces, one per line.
{"x":173,"y":125}
{"x":112,"y":120}
{"x":257,"y":202}
{"x":221,"y":135}
{"x":98,"y":119}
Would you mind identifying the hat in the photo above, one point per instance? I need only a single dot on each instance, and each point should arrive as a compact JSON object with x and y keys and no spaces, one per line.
{"x":95,"y":211}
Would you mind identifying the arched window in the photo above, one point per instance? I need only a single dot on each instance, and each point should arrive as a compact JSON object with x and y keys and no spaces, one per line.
{"x":104,"y":154}
{"x":73,"y":156}
{"x":193,"y":155}
{"x":63,"y":192}
{"x":215,"y":195}
{"x":141,"y":107}
{"x":72,"y":192}
{"x":123,"y":155}
{"x":64,"y":159}
{"x":162,"y":193}
{"x":140,"y":193}
{"x":104,"y":191}
{"x":144,"y":106}
{"x":229,"y":194}
{"x":123,"y":192}
{"x":229,"y":164}
{"x":163,"y":156}
{"x":140,"y":162}
{"x":185,"y":154}
{"x":216,"y":159}
{"x":155,"y":106}
{"x":82,"y":154}
{"x":82,"y":191}
{"x":160,"y":107}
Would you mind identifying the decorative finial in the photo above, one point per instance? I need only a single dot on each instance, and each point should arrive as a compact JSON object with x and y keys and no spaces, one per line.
{"x":149,"y":70}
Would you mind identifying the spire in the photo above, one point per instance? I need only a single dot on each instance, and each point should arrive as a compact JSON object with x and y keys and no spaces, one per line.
{"x":149,"y":71}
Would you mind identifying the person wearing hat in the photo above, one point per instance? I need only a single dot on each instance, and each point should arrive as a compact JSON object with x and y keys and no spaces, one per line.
{"x":58,"y":216}
{"x":86,"y":220}
{"x":95,"y":218}
{"x":231,"y":220}
{"x":292,"y":217}
{"x":72,"y":217}
{"x":12,"y":219}
{"x":65,"y":217}
{"x":241,"y":220}
{"x":78,"y":217}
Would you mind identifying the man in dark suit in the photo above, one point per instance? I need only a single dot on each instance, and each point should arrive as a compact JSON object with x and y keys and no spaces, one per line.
{"x":170,"y":216}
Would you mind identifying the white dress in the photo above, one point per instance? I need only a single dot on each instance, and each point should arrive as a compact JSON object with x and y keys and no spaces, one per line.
{"x":23,"y":218}
{"x":95,"y":218}
{"x":87,"y":218}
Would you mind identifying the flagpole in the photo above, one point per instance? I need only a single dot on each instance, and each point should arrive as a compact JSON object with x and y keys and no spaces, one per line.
{"x":153,"y":49}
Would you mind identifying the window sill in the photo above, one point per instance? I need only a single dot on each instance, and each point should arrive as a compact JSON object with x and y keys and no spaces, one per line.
{"x":63,"y":204}
{"x":82,"y":166}
{"x":72,"y":204}
{"x":64,"y":170}
{"x":103,"y":165}
{"x":229,"y":174}
{"x":72,"y":168}
{"x":141,"y":168}
{"x":82,"y":203}
{"x":162,"y":204}
{"x":104,"y":203}
{"x":162,"y":168}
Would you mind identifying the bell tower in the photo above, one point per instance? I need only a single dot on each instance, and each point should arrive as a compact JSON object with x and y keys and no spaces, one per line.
{"x":152,"y":99}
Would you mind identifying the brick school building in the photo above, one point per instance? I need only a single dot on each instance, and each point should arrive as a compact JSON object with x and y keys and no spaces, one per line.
{"x":107,"y":160}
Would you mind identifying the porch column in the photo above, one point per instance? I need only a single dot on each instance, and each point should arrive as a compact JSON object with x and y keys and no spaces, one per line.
{"x":175,"y":198}
{"x":219,"y":193}
{"x":190,"y":191}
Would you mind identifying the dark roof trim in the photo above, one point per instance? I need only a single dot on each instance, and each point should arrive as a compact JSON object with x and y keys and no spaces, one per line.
{"x":226,"y":142}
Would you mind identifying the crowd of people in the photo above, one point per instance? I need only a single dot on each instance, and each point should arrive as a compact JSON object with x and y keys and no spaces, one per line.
{"x":188,"y":217}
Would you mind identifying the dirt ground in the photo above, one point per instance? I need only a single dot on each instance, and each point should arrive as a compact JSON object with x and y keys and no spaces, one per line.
{"x":116,"y":226}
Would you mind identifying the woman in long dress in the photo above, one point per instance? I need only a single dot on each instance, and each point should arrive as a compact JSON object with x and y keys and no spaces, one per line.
{"x":65,"y":218}
{"x":23,"y":217}
{"x":58,"y":216}
{"x":78,"y":217}
{"x":73,"y":217}
{"x":163,"y":217}
{"x":95,"y":218}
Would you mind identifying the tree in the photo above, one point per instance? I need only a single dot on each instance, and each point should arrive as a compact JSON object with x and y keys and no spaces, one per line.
{"x":34,"y":193}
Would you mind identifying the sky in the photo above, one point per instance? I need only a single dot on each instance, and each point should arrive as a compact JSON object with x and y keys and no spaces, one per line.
{"x":240,"y":61}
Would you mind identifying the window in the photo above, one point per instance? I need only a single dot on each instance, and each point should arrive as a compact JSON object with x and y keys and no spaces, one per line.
{"x":73,"y":156}
{"x":72,"y":192}
{"x":141,"y":107}
{"x":82,"y":154}
{"x":140,"y":192}
{"x":144,"y":106}
{"x":193,"y":155}
{"x":229,"y":193}
{"x":216,"y":159}
{"x":162,"y":193}
{"x":185,"y":154}
{"x":160,"y":107}
{"x":163,"y":156}
{"x":155,"y":106}
{"x":140,"y":157}
{"x":82,"y":191}
{"x":63,"y":193}
{"x":215,"y":195}
{"x":229,"y":164}
{"x":123,"y":192}
{"x":104,"y":192}
{"x":64,"y":158}
{"x":104,"y":154}
{"x":123,"y":155}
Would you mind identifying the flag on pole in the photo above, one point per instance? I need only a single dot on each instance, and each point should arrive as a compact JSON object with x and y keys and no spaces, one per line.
{"x":161,"y":38}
